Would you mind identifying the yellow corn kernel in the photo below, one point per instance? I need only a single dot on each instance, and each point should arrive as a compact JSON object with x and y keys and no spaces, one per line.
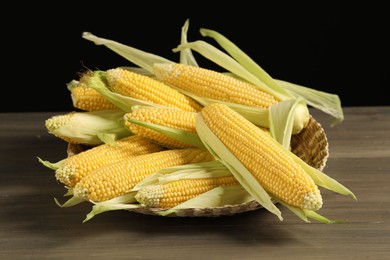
{"x":89,"y":99}
{"x":271,"y":164}
{"x":135,"y":85}
{"x":212,"y":84}
{"x":172,"y":118}
{"x":80,"y":165}
{"x":173,"y":193}
{"x":116,"y":179}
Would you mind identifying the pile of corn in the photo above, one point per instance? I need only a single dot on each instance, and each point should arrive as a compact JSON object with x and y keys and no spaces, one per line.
{"x":168,"y":136}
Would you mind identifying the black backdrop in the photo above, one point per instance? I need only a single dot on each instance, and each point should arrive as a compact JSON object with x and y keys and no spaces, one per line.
{"x":338,"y":47}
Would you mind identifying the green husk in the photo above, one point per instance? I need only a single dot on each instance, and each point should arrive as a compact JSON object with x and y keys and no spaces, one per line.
{"x":326,"y":102}
{"x":69,"y":203}
{"x":119,"y":203}
{"x":142,"y":59}
{"x":304,"y":214}
{"x":186,"y":56}
{"x":180,"y":135}
{"x":282,"y":120}
{"x":90,"y":127}
{"x":323,"y":180}
{"x":50,"y":165}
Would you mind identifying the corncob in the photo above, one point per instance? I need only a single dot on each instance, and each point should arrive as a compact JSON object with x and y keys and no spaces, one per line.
{"x":85,"y":127}
{"x":88,"y":99}
{"x":173,"y":118}
{"x":114,"y":180}
{"x":212,"y":84}
{"x":80,"y":165}
{"x":170,"y":194}
{"x":139,"y":86}
{"x":217,"y":86}
{"x":270,"y":164}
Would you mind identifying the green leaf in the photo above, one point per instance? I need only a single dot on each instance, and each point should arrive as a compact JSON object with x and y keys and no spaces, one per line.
{"x":123,"y":202}
{"x":186,"y":56}
{"x":86,"y":126}
{"x":141,"y":58}
{"x":177,"y":134}
{"x":318,"y":217}
{"x":323,"y":180}
{"x":326,"y":102}
{"x":70,"y":202}
{"x":50,"y":165}
{"x":282,"y":119}
{"x":243,"y":59}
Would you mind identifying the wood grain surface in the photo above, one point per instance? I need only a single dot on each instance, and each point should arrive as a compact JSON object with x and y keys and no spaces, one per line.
{"x":34,"y":227}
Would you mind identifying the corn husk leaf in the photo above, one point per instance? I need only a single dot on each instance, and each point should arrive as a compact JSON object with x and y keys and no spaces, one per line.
{"x":242,"y":58}
{"x":282,"y":120}
{"x":326,"y":102}
{"x":217,"y":197}
{"x":50,"y":165}
{"x":304,"y":214}
{"x":138,"y":57}
{"x":70,"y":202}
{"x":244,"y":177}
{"x":314,"y":215}
{"x":123,"y":202}
{"x":323,"y":180}
{"x":177,"y":134}
{"x":186,"y":56}
{"x":91,"y":127}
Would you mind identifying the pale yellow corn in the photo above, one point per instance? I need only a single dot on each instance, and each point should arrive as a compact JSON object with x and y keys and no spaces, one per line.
{"x":84,"y":127}
{"x":173,"y":193}
{"x":80,"y":165}
{"x":115,"y":179}
{"x":89,"y":99}
{"x":135,"y":85}
{"x":266,"y":159}
{"x":212,"y":84}
{"x":172,"y":118}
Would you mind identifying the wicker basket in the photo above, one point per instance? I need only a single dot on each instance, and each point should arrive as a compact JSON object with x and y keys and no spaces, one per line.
{"x":311,"y":145}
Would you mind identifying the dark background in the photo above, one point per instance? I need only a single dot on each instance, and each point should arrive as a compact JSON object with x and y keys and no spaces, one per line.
{"x":338,"y":47}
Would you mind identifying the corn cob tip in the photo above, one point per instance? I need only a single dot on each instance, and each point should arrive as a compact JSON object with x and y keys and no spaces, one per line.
{"x":312,"y":201}
{"x":81,"y":193}
{"x":150,"y":195}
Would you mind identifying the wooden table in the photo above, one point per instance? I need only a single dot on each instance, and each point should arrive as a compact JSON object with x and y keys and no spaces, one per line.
{"x":34,"y":227}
